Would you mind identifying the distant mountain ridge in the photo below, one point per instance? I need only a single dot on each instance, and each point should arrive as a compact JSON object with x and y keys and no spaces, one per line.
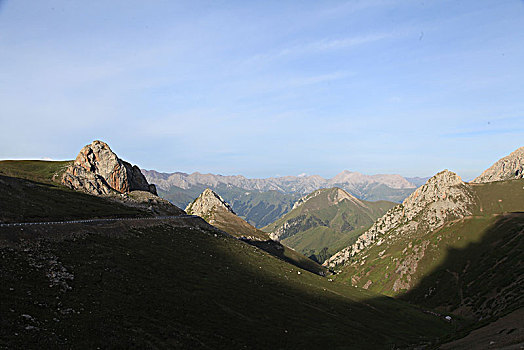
{"x":262,"y":201}
{"x":287,"y":184}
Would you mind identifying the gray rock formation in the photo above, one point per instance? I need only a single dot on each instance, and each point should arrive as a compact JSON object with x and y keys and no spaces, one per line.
{"x":207,"y":202}
{"x":97,"y":170}
{"x":444,"y":197}
{"x":507,"y":168}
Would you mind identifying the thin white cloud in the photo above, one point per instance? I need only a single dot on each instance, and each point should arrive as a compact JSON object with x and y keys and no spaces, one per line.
{"x":338,"y":44}
{"x":320,"y":46}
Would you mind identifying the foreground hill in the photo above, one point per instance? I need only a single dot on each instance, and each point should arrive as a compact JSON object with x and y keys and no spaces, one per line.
{"x":217,"y":212}
{"x":172,"y":286}
{"x":325,"y":221}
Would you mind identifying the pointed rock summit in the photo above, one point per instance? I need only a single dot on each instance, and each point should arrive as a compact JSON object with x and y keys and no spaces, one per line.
{"x":507,"y":168}
{"x":217,"y":212}
{"x":444,"y":197}
{"x":333,"y":197}
{"x":206,"y":203}
{"x":98,"y":170}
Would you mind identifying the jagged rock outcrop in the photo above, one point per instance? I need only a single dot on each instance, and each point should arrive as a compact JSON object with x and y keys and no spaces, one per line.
{"x":207,"y":202}
{"x":444,"y":197}
{"x":217,"y":212}
{"x":99,"y":171}
{"x":507,"y":168}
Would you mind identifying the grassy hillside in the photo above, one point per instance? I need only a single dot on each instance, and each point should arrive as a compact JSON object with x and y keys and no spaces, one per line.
{"x":472,"y":266}
{"x":182,"y":287}
{"x":321,"y":226}
{"x":35,"y":170}
{"x":223,"y":219}
{"x":31,"y":191}
{"x":257,"y":208}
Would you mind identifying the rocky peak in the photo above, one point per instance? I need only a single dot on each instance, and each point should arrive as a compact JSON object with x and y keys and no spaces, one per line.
{"x":444,"y":197}
{"x":507,"y":168}
{"x":338,"y":195}
{"x":333,"y":195}
{"x":98,"y":170}
{"x":206,"y":203}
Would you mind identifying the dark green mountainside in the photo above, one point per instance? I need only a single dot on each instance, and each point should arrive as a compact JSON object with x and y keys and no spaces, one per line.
{"x":176,"y":284}
{"x":472,"y":266}
{"x":325,"y":221}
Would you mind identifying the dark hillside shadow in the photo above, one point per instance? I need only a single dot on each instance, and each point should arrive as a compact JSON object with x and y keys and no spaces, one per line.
{"x":481,"y":281}
{"x":288,"y":255}
{"x":188,"y":287}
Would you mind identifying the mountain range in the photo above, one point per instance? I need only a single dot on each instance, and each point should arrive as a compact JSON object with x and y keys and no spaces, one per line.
{"x":92,"y":258}
{"x":262,"y":201}
{"x":129,"y":276}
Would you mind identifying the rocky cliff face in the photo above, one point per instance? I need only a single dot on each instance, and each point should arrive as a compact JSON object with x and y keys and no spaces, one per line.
{"x":206,"y":203}
{"x":98,"y":170}
{"x":444,"y":197}
{"x":507,"y":168}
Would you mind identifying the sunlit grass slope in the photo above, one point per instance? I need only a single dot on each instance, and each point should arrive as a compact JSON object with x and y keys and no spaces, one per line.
{"x":31,"y":191}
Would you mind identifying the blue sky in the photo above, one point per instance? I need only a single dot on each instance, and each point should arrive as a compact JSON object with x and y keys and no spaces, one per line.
{"x":266,"y":88}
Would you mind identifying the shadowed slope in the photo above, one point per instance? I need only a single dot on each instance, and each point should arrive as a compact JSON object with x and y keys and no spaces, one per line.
{"x":168,"y":287}
{"x":212,"y":208}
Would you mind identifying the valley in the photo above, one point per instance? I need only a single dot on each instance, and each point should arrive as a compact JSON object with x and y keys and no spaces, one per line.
{"x":108,"y":266}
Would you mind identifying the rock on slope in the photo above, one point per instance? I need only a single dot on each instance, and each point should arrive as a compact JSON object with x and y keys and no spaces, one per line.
{"x":444,"y":197}
{"x":207,"y":202}
{"x":212,"y":208}
{"x":98,"y":170}
{"x":507,"y":168}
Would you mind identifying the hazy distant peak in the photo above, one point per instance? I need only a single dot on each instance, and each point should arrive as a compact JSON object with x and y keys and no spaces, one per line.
{"x":391,"y":180}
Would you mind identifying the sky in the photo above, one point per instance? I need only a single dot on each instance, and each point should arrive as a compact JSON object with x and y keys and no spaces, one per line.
{"x":266,"y":88}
